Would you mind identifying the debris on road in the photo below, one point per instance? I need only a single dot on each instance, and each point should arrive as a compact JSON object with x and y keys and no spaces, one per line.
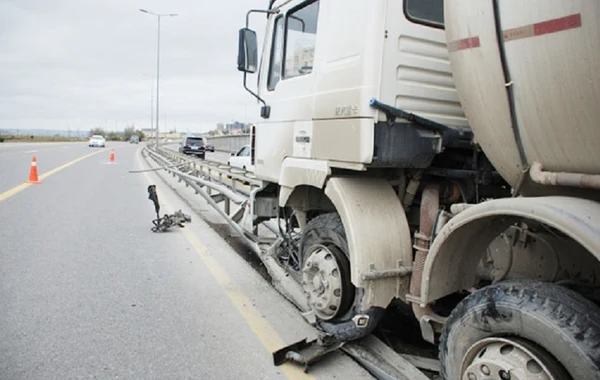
{"x":163,"y":224}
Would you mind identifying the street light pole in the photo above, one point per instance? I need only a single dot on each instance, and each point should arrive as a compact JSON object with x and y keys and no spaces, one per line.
{"x":151,"y":102}
{"x":157,"y":76}
{"x":158,"y":16}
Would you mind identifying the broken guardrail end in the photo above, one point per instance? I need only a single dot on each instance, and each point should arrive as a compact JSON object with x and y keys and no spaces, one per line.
{"x":306,"y":353}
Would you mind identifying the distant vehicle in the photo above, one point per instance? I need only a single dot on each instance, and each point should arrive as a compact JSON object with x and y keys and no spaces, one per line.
{"x":134,"y":139}
{"x":193,"y":145}
{"x":97,"y":140}
{"x":210,"y":148}
{"x":241,"y":159}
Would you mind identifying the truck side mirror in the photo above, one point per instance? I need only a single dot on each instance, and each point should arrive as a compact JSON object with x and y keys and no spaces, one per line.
{"x":247,"y":51}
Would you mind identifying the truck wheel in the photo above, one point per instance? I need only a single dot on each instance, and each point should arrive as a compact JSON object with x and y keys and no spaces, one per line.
{"x":522,"y":330}
{"x":326,"y":280}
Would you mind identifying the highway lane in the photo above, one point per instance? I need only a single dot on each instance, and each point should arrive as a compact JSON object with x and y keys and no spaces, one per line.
{"x":15,"y":158}
{"x":220,"y":157}
{"x":87,"y":291}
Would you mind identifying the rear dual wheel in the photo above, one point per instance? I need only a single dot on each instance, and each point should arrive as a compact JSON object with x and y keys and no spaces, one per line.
{"x":522,"y":330}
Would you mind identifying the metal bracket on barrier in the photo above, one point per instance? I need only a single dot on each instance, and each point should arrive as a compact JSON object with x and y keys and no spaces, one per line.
{"x":306,"y":353}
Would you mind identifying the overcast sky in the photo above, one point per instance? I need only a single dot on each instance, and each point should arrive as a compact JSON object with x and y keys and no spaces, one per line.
{"x":79,"y":64}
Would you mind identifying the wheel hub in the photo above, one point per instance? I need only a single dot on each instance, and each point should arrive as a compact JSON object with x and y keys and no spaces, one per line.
{"x":322,"y":281}
{"x":510,"y":359}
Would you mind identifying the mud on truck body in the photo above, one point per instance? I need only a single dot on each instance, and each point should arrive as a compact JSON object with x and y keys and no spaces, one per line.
{"x":443,"y":156}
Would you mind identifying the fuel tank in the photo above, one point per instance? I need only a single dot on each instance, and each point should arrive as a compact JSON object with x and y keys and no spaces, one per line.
{"x":528,"y":78}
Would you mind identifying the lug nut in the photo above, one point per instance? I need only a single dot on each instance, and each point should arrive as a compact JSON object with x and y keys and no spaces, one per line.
{"x":504,"y":375}
{"x":485,"y":370}
{"x":472,"y":376}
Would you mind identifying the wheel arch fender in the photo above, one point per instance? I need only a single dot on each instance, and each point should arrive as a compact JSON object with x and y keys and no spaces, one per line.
{"x":454,"y":255}
{"x":297,"y":172}
{"x":378,"y":237}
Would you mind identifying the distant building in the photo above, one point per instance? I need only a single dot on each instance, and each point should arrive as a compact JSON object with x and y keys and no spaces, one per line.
{"x":235,"y":127}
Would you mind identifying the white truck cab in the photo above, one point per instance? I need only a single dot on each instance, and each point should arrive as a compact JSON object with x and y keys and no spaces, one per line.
{"x":407,"y":145}
{"x":322,"y":64}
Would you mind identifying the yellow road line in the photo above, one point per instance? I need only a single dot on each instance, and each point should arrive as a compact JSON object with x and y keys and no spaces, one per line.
{"x":265,"y":333}
{"x":17,"y":189}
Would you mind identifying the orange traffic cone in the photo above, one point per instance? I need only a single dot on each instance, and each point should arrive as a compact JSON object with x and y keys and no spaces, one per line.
{"x":33,"y":175}
{"x":112,"y":155}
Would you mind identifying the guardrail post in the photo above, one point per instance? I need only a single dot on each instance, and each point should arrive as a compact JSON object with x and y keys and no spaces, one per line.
{"x":210,"y":180}
{"x":227,"y":205}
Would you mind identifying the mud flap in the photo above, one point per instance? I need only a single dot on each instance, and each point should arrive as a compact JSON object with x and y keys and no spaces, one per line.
{"x":306,"y":353}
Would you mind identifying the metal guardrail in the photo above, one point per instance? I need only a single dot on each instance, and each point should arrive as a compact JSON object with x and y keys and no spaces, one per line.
{"x":230,"y":192}
{"x":209,"y":180}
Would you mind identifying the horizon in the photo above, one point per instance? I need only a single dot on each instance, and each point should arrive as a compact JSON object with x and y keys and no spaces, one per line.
{"x":62,"y":67}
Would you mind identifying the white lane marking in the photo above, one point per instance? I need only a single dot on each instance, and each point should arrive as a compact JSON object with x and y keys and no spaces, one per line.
{"x":31,"y":151}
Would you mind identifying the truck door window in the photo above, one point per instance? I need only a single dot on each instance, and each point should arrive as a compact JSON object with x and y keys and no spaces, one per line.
{"x":300,"y":40}
{"x":276,"y":55}
{"x":427,"y":12}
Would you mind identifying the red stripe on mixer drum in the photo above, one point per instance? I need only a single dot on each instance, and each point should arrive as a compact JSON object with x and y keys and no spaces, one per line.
{"x":544,"y":27}
{"x":532,"y":30}
{"x":465,"y":43}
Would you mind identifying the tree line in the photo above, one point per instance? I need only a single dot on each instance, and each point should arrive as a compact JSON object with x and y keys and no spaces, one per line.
{"x":118,"y":136}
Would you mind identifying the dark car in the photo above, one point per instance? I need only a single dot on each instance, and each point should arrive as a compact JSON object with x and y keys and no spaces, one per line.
{"x":210,"y":148}
{"x":193,"y":145}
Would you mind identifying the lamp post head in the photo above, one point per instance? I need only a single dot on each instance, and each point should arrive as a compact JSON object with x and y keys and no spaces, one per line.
{"x":157,"y":14}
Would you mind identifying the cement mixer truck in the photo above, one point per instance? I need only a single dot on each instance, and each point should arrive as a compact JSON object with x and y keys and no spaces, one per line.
{"x":442,"y":155}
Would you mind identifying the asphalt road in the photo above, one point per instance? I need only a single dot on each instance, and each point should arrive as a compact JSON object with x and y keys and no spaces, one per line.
{"x":87,"y":291}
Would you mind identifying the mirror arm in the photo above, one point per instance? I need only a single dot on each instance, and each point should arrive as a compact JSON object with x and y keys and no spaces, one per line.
{"x":269,"y":12}
{"x":252,"y":92}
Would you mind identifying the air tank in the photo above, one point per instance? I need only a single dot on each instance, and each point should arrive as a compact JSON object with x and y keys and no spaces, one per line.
{"x":528,"y":78}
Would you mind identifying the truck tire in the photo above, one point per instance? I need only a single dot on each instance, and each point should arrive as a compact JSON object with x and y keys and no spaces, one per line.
{"x":516,"y":329}
{"x":324,"y":252}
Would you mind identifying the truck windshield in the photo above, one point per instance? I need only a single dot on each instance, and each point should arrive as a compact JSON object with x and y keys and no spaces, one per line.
{"x":428,"y":12}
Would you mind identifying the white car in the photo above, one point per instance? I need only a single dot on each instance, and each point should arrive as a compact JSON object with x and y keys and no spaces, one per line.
{"x":97,"y":140}
{"x":241,"y":159}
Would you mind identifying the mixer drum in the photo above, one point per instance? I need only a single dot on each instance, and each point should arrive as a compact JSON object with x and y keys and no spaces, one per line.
{"x":552,"y":60}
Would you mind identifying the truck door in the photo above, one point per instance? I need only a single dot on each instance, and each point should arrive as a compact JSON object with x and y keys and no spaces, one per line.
{"x":287,"y":84}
